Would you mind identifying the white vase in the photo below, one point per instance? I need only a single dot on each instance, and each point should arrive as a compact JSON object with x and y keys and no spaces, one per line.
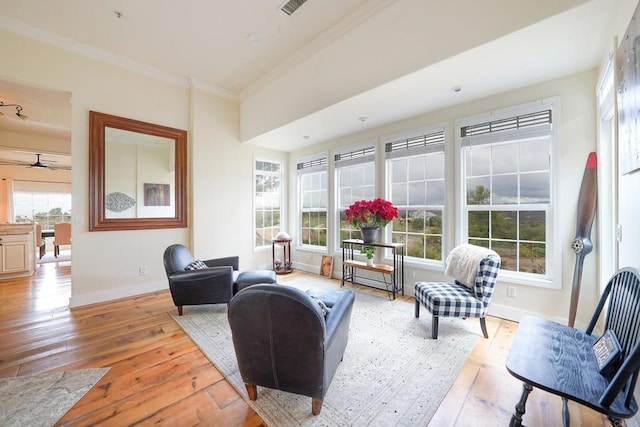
{"x":369,"y":261}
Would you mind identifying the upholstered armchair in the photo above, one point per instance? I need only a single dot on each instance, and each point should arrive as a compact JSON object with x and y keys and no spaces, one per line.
{"x":283,"y":340}
{"x":475,"y":271}
{"x":194,"y":282}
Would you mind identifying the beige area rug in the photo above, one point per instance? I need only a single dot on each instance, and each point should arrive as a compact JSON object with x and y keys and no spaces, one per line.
{"x":41,"y":400}
{"x":393,"y":373}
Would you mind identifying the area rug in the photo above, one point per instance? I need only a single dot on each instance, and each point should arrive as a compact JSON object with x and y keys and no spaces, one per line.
{"x":41,"y":400}
{"x":392,"y":374}
{"x":49,"y":257}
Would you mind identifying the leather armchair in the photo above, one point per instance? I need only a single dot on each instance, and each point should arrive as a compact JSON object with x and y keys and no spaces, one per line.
{"x":210,"y":285}
{"x":283,"y":341}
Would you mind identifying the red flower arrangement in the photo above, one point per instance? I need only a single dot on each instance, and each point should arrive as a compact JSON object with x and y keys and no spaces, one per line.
{"x":371,"y":213}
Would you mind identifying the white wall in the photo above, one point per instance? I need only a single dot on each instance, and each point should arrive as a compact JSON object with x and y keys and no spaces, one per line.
{"x":222,"y":175}
{"x":577,"y":139}
{"x":106,"y":264}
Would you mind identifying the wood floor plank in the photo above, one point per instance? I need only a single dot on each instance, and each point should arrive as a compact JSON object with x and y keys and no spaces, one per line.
{"x":191,"y":411}
{"x":124,"y":412}
{"x":117,"y":387}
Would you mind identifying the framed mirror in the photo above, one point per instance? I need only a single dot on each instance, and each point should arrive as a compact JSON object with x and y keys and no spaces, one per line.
{"x":137,"y":174}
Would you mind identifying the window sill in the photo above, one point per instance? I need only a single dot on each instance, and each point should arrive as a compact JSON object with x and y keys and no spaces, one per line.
{"x":520,"y":279}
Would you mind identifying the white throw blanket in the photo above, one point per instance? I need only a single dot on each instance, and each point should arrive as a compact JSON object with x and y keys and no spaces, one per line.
{"x":463,"y":262}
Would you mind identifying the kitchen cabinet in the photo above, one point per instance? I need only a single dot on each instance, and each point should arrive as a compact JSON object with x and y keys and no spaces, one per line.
{"x":17,"y":251}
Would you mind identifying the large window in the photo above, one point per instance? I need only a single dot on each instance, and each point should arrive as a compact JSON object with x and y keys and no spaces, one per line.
{"x":417,"y":188}
{"x":313,"y":197}
{"x":267,"y":201}
{"x":42,"y":202}
{"x":507,"y":188}
{"x":355,"y":180}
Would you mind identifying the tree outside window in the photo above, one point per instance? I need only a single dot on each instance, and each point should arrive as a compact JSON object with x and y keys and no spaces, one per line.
{"x":44,"y":208}
{"x":508,"y":201}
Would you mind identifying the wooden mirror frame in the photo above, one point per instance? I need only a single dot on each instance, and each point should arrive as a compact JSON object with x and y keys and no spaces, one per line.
{"x":97,"y":216}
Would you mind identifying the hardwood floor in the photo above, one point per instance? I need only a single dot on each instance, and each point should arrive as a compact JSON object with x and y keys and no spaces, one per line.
{"x":159,"y":377}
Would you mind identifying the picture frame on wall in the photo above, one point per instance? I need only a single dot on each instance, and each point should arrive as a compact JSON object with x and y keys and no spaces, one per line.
{"x":157,"y":195}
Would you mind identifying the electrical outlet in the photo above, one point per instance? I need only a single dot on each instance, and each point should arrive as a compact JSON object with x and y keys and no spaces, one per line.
{"x":511,"y":291}
{"x":142,"y":270}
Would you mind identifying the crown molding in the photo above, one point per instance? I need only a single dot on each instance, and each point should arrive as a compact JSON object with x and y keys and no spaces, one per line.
{"x":213,"y":89}
{"x":111,"y":58}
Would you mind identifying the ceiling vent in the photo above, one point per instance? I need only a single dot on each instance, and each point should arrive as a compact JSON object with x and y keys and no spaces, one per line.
{"x":291,"y":6}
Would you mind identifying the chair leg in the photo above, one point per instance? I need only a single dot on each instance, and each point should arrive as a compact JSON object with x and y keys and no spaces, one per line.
{"x":516,"y":418}
{"x":616,"y":422}
{"x":316,"y":406}
{"x":483,"y":325}
{"x":417,"y":308}
{"x":566,"y":419}
{"x":252,"y":391}
{"x":434,"y":326}
{"x":179,"y":310}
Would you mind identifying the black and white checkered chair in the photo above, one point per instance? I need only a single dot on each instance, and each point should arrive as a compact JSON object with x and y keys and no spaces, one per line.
{"x":458,"y":300}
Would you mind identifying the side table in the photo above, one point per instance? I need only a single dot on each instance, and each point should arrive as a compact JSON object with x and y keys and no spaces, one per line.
{"x":395,"y":271}
{"x":282,"y":265}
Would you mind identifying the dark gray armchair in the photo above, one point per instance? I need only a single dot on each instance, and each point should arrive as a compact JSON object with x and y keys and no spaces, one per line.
{"x":283,"y":340}
{"x":210,"y":285}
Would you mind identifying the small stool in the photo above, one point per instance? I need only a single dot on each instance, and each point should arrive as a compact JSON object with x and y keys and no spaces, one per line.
{"x":248,"y":278}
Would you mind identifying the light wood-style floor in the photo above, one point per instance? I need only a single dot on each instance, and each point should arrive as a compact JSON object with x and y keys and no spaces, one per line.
{"x":159,"y":377}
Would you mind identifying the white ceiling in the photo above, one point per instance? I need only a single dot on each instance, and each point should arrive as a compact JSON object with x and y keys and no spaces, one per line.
{"x":208,"y":41}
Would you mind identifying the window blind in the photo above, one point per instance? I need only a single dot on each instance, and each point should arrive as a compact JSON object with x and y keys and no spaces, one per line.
{"x":523,"y":126}
{"x":314,"y":165}
{"x":361,"y":155}
{"x":422,"y":144}
{"x":41,"y":186}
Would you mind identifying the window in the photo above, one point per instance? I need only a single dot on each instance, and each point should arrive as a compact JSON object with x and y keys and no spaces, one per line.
{"x":42,"y":202}
{"x":417,"y":188}
{"x":607,"y":178}
{"x":313,"y":196}
{"x":506,"y":189}
{"x":355,"y":180}
{"x":267,"y":201}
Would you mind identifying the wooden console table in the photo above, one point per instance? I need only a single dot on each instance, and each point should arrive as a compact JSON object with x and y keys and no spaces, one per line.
{"x":395,"y":271}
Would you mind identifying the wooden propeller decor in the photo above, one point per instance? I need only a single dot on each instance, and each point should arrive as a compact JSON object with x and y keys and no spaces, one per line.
{"x":582,"y":244}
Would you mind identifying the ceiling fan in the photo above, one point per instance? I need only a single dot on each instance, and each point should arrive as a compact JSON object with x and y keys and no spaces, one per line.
{"x":37,"y":164}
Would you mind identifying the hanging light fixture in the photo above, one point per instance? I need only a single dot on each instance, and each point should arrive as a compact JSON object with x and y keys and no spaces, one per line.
{"x":18,"y":110}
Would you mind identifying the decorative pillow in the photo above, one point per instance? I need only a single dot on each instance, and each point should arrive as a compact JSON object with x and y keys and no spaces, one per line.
{"x":196,"y":265}
{"x":323,"y":306}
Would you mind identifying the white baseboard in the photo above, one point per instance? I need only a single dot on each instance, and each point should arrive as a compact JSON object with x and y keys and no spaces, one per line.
{"x":113,"y":294}
{"x":515,"y":314}
{"x":309,"y":268}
